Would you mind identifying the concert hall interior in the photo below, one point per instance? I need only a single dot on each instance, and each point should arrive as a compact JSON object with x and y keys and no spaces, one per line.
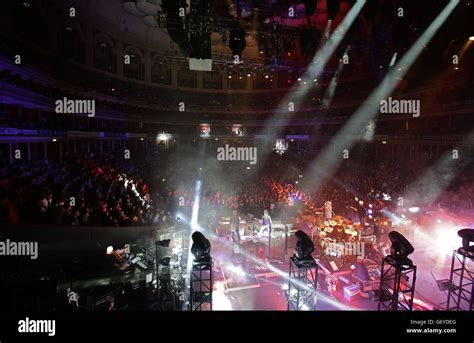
{"x":195,"y":155}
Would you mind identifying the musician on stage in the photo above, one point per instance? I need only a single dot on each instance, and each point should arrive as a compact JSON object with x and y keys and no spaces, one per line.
{"x":266,"y":222}
{"x":251,"y":226}
{"x":234,"y":226}
{"x":327,"y":209}
{"x":213,"y":221}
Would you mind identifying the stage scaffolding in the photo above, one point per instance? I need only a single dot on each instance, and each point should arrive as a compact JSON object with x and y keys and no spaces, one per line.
{"x":397,"y":286}
{"x":201,"y":286}
{"x":461,"y":287}
{"x":302,"y":285}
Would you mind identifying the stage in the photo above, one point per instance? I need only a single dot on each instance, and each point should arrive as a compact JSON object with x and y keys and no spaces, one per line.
{"x":251,"y":278}
{"x":260,"y":283}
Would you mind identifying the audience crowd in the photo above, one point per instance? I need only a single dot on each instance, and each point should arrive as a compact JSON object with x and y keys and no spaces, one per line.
{"x":106,"y":190}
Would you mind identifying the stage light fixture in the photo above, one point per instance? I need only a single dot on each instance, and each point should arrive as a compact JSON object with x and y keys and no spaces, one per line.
{"x":304,"y":246}
{"x":467,"y":236}
{"x":201,"y":248}
{"x":400,"y":250}
{"x":205,"y":130}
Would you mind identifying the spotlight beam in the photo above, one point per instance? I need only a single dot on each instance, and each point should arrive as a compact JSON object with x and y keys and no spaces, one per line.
{"x":194,"y":226}
{"x":314,"y":69}
{"x":296,"y":96}
{"x":436,"y":179}
{"x":195,"y":211}
{"x":333,"y":84}
{"x":331,"y":157}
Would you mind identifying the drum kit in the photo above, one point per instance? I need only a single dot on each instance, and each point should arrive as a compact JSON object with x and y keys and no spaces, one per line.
{"x":326,"y":232}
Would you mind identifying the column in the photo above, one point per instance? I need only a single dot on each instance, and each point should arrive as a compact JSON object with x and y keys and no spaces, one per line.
{"x":148,"y":64}
{"x":249,"y":83}
{"x":200,"y":76}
